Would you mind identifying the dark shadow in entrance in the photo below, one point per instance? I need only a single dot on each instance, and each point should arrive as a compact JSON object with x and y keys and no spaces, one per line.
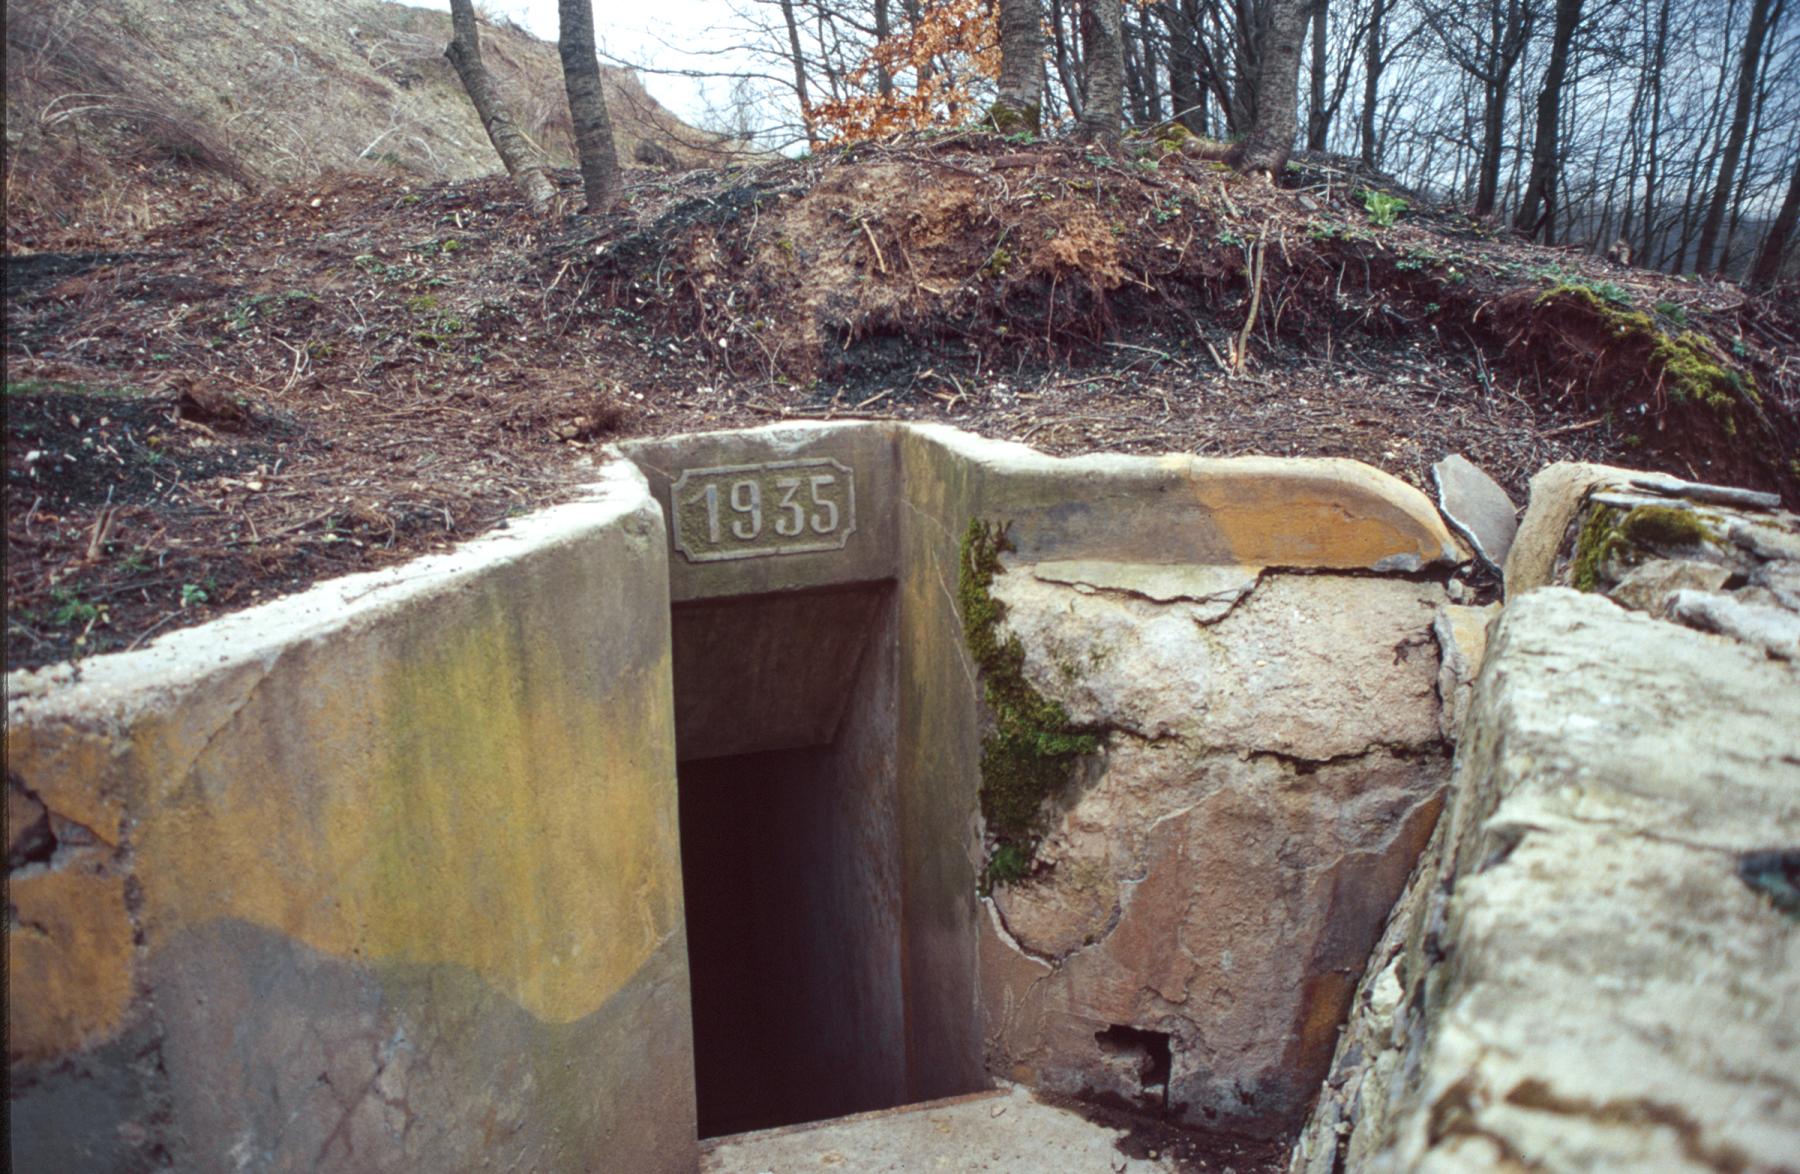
{"x":790,"y":863}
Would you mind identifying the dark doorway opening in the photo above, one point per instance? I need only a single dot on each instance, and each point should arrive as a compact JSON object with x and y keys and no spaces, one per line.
{"x":790,"y":859}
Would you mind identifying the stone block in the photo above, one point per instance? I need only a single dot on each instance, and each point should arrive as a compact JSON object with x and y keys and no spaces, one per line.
{"x":1592,"y":968}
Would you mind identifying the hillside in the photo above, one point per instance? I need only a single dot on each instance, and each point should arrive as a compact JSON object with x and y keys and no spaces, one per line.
{"x":118,"y":118}
{"x":336,"y":375}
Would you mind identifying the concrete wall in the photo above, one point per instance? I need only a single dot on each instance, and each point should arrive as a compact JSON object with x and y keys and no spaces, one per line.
{"x":1272,"y":759}
{"x":386,"y":875}
{"x":383,"y":876}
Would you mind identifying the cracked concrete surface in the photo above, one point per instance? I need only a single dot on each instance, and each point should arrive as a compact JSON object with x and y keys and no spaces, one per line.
{"x":1271,"y":768}
{"x":1584,"y":973}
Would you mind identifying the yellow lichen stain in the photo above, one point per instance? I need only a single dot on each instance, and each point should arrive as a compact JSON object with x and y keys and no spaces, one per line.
{"x":69,"y":961}
{"x":76,"y":772}
{"x":486,"y":799}
{"x":1270,"y":516}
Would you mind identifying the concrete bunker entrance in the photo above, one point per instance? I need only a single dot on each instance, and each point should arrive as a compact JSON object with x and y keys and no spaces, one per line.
{"x":785,"y":733}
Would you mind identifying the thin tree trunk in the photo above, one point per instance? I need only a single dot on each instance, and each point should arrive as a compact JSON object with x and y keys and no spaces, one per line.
{"x":1650,"y":152}
{"x":1185,"y":94}
{"x":587,"y":104}
{"x":1372,"y":82}
{"x":1318,"y":118}
{"x":1134,"y":72}
{"x":1103,"y":98}
{"x":521,"y":162}
{"x":1767,"y":266}
{"x":1153,"y":104}
{"x":801,"y":93}
{"x":884,"y":81}
{"x":1271,"y":137}
{"x":1019,"y":106}
{"x":1760,"y":19}
{"x":1538,"y":205}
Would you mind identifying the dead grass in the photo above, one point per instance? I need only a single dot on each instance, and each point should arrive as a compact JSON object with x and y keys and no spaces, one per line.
{"x":120,"y":119}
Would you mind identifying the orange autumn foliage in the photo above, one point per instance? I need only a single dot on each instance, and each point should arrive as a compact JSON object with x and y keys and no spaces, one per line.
{"x":936,"y":65}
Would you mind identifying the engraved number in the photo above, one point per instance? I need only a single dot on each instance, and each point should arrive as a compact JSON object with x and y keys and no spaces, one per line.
{"x":795,"y":522}
{"x":746,"y":498}
{"x":712,"y":514}
{"x":827,"y":505}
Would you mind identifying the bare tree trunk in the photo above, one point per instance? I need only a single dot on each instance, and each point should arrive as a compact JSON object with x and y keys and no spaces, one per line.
{"x":1153,"y":106}
{"x":884,"y":28}
{"x":1019,"y":106}
{"x":1767,"y":266}
{"x":1134,"y":71}
{"x":1658,"y":58}
{"x":1272,"y":132}
{"x":1103,"y":99}
{"x":1185,"y":95}
{"x":1252,"y":17}
{"x":1538,"y":206}
{"x":1372,"y":81}
{"x":1318,"y":118}
{"x":522,"y":163}
{"x":800,"y":91}
{"x":1762,"y":15}
{"x":587,"y":105}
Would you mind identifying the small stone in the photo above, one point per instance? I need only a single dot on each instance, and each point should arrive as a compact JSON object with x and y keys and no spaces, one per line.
{"x":1774,"y":630}
{"x":1649,"y":586}
{"x":1476,"y":507}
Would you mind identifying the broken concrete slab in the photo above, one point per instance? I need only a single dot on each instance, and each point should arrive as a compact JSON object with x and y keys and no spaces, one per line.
{"x":347,"y":879}
{"x":1476,"y":507}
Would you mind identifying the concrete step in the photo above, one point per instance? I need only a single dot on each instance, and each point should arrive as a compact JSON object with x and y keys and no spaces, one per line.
{"x":1005,"y":1129}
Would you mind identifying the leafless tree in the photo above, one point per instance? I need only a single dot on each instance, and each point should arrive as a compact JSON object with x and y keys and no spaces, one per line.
{"x":1271,"y":137}
{"x":522,"y":162}
{"x":587,"y":105}
{"x":1020,"y":102}
{"x":1537,"y":207}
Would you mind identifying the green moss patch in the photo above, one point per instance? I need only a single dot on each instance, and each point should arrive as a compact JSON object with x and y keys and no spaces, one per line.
{"x":1688,"y":364}
{"x":1033,"y":745}
{"x":1609,"y":533}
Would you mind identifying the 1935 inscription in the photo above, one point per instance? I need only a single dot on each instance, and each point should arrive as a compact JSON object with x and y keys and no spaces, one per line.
{"x":782,"y":507}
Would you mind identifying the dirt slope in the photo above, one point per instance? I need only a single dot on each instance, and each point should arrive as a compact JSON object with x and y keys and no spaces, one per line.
{"x":333,"y":376}
{"x":124,"y":114}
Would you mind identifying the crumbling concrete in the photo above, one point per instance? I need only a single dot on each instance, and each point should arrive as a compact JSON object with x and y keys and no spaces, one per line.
{"x":1595,"y":966}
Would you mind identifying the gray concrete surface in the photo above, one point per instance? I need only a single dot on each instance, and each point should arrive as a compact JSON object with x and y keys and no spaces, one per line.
{"x":1007,"y":1130}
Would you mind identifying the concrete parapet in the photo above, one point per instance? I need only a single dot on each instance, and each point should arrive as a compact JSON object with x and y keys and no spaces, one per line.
{"x":380,"y":876}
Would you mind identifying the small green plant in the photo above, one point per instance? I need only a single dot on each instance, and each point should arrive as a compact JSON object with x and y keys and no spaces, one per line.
{"x":1674,"y":311}
{"x":1383,"y":209}
{"x":1228,"y":238}
{"x":192,"y":595}
{"x":71,"y":610}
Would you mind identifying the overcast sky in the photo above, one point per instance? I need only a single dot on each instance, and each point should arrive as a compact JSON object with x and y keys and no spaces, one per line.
{"x":665,"y":34}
